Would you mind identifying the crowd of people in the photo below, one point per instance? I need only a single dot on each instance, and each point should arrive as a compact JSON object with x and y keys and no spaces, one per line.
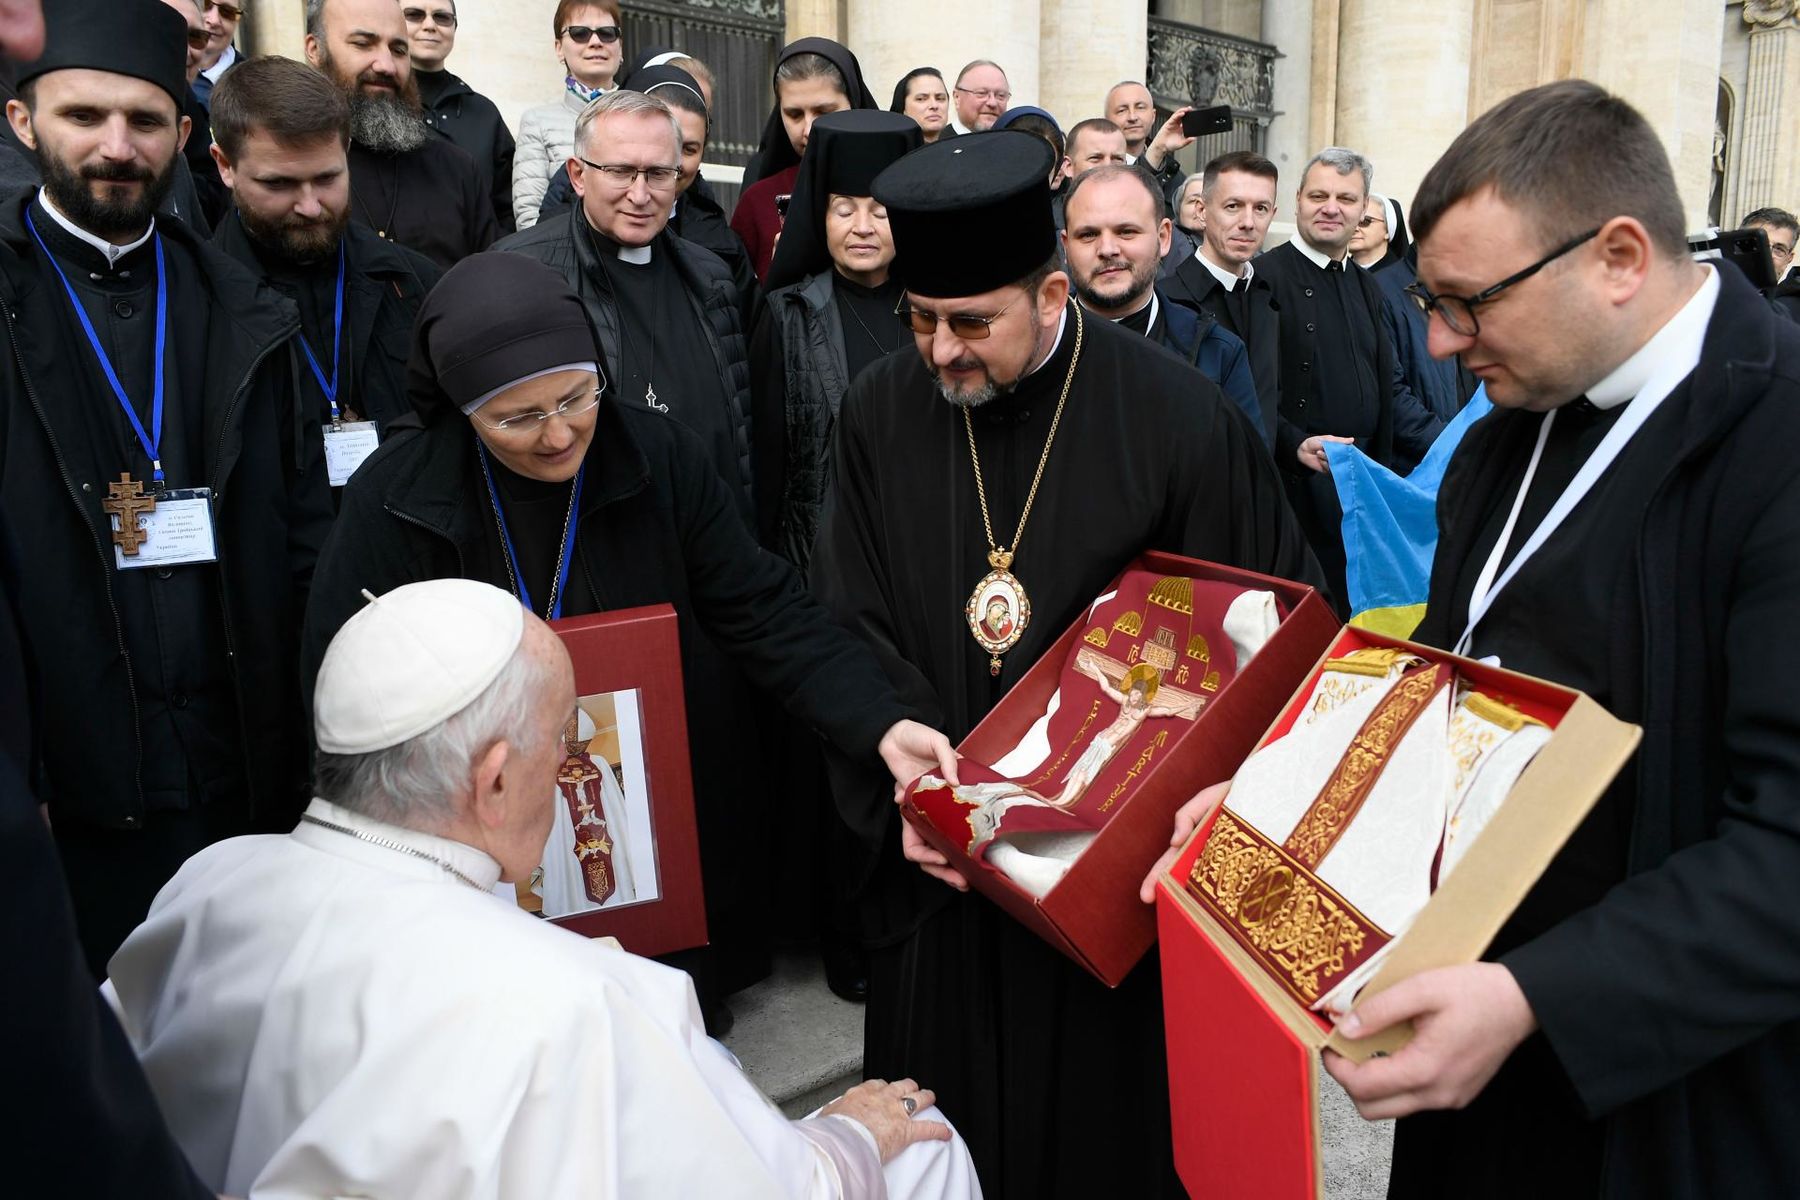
{"x":325,"y":393}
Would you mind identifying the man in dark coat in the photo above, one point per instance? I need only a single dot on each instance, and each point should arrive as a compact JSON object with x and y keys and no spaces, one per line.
{"x":1220,"y":277}
{"x":407,"y":183}
{"x":455,"y":110}
{"x":281,"y":130}
{"x":1340,"y":380}
{"x":1115,"y":238}
{"x":666,"y":309}
{"x":140,"y":358}
{"x":455,"y":496}
{"x":1058,"y":1080}
{"x":1637,"y":1026}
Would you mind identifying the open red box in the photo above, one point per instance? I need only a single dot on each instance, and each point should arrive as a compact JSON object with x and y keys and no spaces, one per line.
{"x":1244,"y":1053}
{"x":1094,"y":915}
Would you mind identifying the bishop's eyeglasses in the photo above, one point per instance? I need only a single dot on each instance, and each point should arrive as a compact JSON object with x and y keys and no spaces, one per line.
{"x":1459,"y":311}
{"x":968,"y":328}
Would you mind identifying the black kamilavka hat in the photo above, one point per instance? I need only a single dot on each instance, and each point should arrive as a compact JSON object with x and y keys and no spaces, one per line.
{"x":145,"y":39}
{"x":970,"y":215}
{"x":844,"y":154}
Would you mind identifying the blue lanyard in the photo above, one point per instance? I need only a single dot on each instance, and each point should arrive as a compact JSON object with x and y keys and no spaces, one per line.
{"x":568,"y":548}
{"x":330,"y":386}
{"x":151,"y":440}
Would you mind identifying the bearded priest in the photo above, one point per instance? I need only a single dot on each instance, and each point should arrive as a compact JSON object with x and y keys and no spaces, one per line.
{"x":349,"y":1010}
{"x":1015,"y":416}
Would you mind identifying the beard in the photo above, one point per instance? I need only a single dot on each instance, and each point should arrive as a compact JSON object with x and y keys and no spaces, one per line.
{"x":297,"y":241}
{"x":1137,"y":284}
{"x":387,"y":122}
{"x":988,"y":389}
{"x":117,"y":220}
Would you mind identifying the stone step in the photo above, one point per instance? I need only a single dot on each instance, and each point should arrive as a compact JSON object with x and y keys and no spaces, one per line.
{"x":799,"y":1043}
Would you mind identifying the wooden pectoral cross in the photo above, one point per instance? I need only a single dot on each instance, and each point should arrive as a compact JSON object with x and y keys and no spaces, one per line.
{"x":125,"y":500}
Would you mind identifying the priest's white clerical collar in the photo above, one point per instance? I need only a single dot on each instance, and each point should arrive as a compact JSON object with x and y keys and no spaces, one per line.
{"x":217,"y":71}
{"x":113,"y":253}
{"x":1061,"y":322}
{"x":1225,"y":277}
{"x":1678,"y":342}
{"x":1155,"y":307}
{"x":335,"y":829}
{"x":1318,"y":258}
{"x":637,"y":256}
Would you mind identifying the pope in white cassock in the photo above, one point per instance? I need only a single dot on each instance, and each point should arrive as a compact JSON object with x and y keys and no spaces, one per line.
{"x":348,"y":1010}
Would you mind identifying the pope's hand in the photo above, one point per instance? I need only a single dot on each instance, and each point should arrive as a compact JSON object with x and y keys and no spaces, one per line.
{"x":1466,"y":1020}
{"x":910,"y":750}
{"x":879,"y":1107}
{"x":918,"y":850}
{"x":1188,"y":818}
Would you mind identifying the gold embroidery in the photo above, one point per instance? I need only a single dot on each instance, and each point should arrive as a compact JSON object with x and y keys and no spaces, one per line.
{"x":1499,"y":712}
{"x":1096,"y":637}
{"x":1295,"y":925}
{"x":1160,"y":651}
{"x":1130,"y":623}
{"x":1354,"y":778}
{"x":1197,"y":648}
{"x":1372,"y":660}
{"x":1333,"y":691}
{"x":1093,"y":711}
{"x":1211,"y":682}
{"x":1137,"y":768}
{"x":1174,"y":592}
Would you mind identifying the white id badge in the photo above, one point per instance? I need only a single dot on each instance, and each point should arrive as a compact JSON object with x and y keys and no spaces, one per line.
{"x":346,"y":446}
{"x":177,"y":532}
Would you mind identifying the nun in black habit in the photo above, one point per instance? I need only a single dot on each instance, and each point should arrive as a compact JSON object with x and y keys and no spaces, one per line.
{"x":519,"y":469}
{"x":771,"y":172}
{"x":1058,"y":1083}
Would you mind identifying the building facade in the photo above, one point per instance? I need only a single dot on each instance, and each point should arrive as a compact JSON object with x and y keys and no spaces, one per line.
{"x":1394,"y":79}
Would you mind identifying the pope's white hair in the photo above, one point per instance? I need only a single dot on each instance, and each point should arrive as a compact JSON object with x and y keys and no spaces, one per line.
{"x":418,"y":783}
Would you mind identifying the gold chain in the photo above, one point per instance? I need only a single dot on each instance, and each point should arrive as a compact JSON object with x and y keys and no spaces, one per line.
{"x":1002,"y":556}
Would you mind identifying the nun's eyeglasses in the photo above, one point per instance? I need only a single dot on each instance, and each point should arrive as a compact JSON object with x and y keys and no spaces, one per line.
{"x":531,"y":422}
{"x":1459,"y":311}
{"x":968,"y":328}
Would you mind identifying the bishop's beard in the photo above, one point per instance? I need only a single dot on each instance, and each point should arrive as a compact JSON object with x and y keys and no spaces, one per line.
{"x":386,"y":121}
{"x":117,"y":220}
{"x":989,"y":389}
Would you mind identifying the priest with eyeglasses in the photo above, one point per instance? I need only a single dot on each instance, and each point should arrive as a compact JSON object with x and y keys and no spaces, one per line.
{"x":1025,"y":449}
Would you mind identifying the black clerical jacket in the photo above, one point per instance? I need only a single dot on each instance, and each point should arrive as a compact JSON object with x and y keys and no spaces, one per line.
{"x":270,"y":510}
{"x":1673,"y":1005}
{"x":434,"y":199}
{"x":566,"y":243}
{"x":384,"y":285}
{"x":1253,"y":316}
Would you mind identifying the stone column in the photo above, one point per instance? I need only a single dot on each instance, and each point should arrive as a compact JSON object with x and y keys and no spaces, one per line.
{"x":1663,"y":56}
{"x":1289,"y":28}
{"x":1402,"y":85}
{"x":1769,"y":110}
{"x":816,"y":18}
{"x":891,"y":40}
{"x":1084,"y":47}
{"x":274,"y":27}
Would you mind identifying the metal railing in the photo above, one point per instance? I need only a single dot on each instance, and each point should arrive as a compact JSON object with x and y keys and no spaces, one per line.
{"x":1189,"y":65}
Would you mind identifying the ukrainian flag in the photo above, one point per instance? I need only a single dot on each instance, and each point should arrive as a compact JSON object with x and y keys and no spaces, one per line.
{"x":1390,"y":526}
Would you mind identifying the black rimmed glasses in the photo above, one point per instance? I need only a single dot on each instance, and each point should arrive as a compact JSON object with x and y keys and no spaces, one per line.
{"x":1459,"y":311}
{"x":623,"y":175}
{"x":582,"y":34}
{"x":443,"y":18}
{"x":968,"y":328}
{"x":531,"y":422}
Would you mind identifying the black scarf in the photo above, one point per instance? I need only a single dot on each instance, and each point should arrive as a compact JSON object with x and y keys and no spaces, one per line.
{"x":776,"y":152}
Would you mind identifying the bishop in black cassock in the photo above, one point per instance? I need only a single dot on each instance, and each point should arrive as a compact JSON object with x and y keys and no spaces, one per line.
{"x":1058,"y":1084}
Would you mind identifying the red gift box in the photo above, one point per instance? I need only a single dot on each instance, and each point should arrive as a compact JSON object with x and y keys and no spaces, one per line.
{"x":1093,"y":915}
{"x":1244,"y":1052}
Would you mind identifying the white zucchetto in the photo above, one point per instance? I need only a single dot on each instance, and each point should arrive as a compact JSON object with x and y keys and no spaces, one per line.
{"x":411,"y":660}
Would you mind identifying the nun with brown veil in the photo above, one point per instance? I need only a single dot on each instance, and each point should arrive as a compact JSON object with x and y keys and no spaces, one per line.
{"x":518,"y":468}
{"x":813,"y":76}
